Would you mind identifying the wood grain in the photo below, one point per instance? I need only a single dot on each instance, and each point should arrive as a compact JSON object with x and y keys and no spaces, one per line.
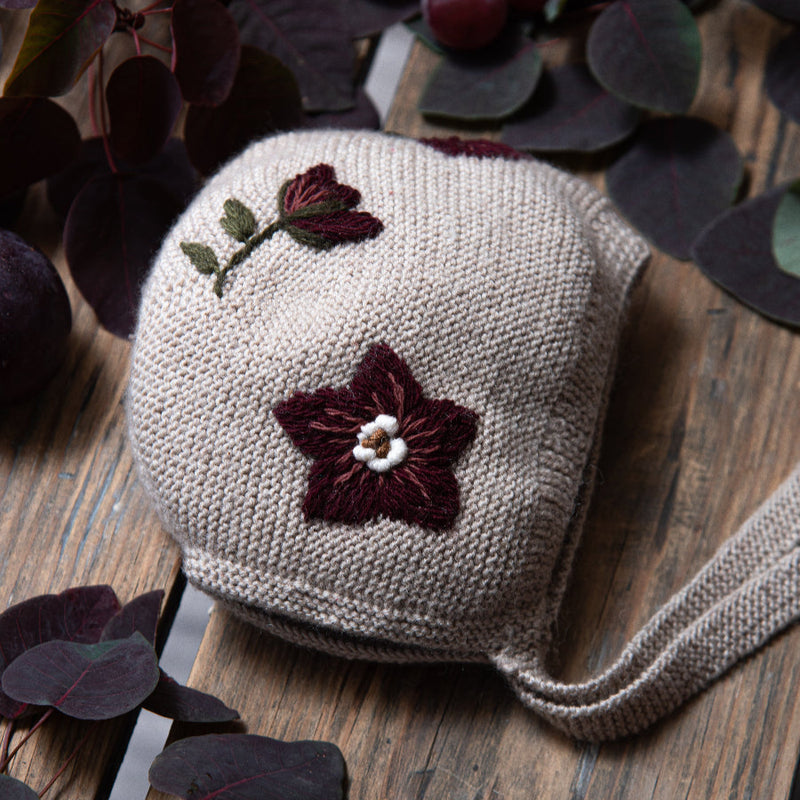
{"x":700,"y":431}
{"x":71,"y":509}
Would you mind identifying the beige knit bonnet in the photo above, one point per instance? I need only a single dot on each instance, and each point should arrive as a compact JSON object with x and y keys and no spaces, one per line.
{"x":366,"y":395}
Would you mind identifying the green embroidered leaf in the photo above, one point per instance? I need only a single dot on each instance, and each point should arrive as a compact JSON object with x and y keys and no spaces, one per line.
{"x":238,"y":221}
{"x":786,"y":231}
{"x":202,"y":257}
{"x":309,"y":238}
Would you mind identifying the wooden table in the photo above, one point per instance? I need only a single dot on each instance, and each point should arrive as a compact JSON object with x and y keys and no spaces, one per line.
{"x":700,"y":430}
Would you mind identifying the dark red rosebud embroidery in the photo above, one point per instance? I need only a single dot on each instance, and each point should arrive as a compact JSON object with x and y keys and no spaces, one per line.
{"x":313,"y":209}
{"x":381,"y":448}
{"x":479,"y":148}
{"x":316,"y":210}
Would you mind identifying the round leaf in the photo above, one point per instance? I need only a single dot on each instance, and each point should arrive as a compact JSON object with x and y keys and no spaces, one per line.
{"x":647,"y":52}
{"x":787,"y":9}
{"x":362,"y":115}
{"x":140,"y":614}
{"x":248,"y":767}
{"x":170,"y":699}
{"x":490,"y":84}
{"x":76,"y":615}
{"x":264,"y":99}
{"x":171,"y":167}
{"x":678,"y":175}
{"x":786,"y":231}
{"x":736,"y":252}
{"x":114,"y":227}
{"x":143,"y":103}
{"x":85,"y":681}
{"x":62,"y":38}
{"x":39,"y":138}
{"x":371,"y":17}
{"x":312,"y":38}
{"x":206,"y":50}
{"x":12,"y":789}
{"x":571,"y":111}
{"x":782,"y":76}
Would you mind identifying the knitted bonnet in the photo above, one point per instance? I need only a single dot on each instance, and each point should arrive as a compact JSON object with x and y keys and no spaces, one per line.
{"x":366,"y":395}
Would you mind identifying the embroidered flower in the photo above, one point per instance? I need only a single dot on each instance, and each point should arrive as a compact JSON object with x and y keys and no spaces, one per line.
{"x":313,"y":209}
{"x":381,"y":448}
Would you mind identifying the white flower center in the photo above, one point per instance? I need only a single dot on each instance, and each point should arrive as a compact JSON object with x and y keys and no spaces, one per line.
{"x":379,"y":446}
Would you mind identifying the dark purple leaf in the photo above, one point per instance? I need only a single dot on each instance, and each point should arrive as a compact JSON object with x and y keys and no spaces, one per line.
{"x":206,"y":50}
{"x":782,"y":75}
{"x":679,"y":174}
{"x":489,"y":84}
{"x":39,"y":138}
{"x":420,"y":28}
{"x":370,"y":17}
{"x":171,"y":167}
{"x":170,"y":699}
{"x":62,"y":38}
{"x":76,"y":615}
{"x":786,"y":231}
{"x":11,"y":208}
{"x":736,"y":252}
{"x":647,"y":52}
{"x":311,"y":38}
{"x":264,"y":99}
{"x":85,"y":681}
{"x":140,"y":614}
{"x":571,"y":111}
{"x":787,"y":9}
{"x":12,"y":789}
{"x":247,"y":767}
{"x":362,"y":115}
{"x":114,"y":227}
{"x":15,"y":4}
{"x":143,"y":103}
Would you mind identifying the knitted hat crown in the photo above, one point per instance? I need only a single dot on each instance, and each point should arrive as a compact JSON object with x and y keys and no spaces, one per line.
{"x":366,"y":393}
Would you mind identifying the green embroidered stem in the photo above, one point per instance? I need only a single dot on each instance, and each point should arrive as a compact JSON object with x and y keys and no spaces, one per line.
{"x":243,"y":252}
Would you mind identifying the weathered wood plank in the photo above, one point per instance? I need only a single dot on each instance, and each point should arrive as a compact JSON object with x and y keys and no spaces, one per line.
{"x":698,"y":434}
{"x":71,"y":509}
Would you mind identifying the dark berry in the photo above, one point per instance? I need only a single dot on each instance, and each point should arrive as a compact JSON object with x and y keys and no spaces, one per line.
{"x":465,"y":24}
{"x":35,"y":319}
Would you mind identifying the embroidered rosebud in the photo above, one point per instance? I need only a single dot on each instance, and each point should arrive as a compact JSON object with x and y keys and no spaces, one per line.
{"x":313,"y":209}
{"x":316,"y":210}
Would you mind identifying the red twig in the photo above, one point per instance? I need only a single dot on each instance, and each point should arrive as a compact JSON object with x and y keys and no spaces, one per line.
{"x":136,"y":41}
{"x":103,"y":121}
{"x":148,"y":9}
{"x":6,"y":740}
{"x":7,"y":760}
{"x":91,"y":77}
{"x":67,"y":762}
{"x":155,"y":44}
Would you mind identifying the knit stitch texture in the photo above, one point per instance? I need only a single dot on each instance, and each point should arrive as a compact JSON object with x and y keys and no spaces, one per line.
{"x":502,"y":284}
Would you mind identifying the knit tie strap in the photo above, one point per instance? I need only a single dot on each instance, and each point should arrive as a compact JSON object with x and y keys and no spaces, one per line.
{"x":749,"y":591}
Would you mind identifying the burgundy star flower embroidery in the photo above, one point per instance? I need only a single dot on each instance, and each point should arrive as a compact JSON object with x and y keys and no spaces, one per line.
{"x":381,"y":447}
{"x":316,"y":210}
